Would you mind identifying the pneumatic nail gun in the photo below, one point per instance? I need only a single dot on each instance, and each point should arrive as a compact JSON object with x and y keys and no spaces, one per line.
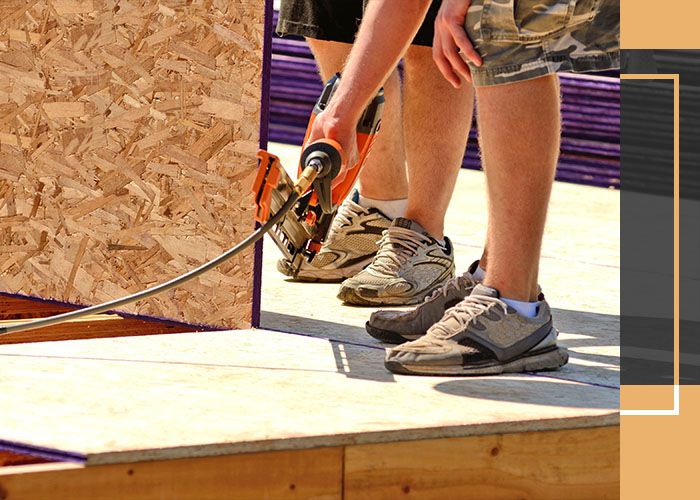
{"x":300,"y":234}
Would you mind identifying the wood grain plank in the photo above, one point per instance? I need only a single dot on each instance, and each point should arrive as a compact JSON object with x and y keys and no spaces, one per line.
{"x":21,"y":308}
{"x":8,"y":458}
{"x":13,"y":309}
{"x":94,"y":327}
{"x":572,"y":464}
{"x":308,"y":474}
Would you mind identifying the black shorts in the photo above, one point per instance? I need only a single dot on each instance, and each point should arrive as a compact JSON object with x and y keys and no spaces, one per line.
{"x":338,"y":20}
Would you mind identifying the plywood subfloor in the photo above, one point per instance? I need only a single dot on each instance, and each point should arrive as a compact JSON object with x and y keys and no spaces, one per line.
{"x":182,"y":395}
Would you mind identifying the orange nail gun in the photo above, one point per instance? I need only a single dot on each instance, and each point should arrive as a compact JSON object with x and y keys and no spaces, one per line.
{"x":300,"y":234}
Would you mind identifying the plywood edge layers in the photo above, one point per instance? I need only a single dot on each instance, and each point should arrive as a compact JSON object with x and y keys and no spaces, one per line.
{"x":218,"y":449}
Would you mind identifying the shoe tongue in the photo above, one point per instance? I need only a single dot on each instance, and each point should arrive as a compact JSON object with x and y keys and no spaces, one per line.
{"x":409,"y":224}
{"x":482,"y":289}
{"x":449,"y":325}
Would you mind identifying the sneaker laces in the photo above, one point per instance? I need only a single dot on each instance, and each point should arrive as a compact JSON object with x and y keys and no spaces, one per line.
{"x":396,"y":246}
{"x":346,"y":212}
{"x":466,"y":310}
{"x":457,"y":283}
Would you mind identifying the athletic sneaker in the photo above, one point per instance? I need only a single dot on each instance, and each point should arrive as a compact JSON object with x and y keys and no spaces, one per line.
{"x":409,"y":265}
{"x":351,"y":244}
{"x":397,"y":327}
{"x":482,"y":335}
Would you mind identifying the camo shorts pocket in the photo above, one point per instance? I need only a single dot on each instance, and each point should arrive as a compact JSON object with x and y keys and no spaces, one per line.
{"x":525,"y":39}
{"x":532,"y":20}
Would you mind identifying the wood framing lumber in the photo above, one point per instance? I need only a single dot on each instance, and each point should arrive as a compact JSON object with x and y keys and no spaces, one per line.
{"x":13,"y":309}
{"x":572,"y":464}
{"x":312,"y":473}
{"x":579,"y":464}
{"x":8,"y":458}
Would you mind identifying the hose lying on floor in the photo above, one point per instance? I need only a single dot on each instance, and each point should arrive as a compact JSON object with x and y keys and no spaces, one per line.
{"x":149,"y":292}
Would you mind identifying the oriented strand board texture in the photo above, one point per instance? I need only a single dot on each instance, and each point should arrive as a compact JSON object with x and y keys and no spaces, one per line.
{"x":128,"y":132}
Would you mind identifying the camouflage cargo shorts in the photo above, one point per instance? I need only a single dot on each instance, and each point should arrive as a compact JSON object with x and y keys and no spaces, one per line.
{"x":524,"y":39}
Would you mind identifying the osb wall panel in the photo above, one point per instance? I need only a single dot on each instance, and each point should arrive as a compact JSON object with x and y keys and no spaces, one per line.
{"x":128,"y":131}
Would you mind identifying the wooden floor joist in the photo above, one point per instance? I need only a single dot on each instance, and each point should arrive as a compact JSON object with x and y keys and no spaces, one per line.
{"x":552,"y":465}
{"x":572,"y":464}
{"x":9,"y":458}
{"x":13,"y":309}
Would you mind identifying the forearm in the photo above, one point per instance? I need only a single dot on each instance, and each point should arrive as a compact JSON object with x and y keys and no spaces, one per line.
{"x":386,"y":31}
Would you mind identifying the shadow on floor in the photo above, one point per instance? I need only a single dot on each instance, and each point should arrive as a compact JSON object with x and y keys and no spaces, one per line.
{"x":357,"y":355}
{"x":533,"y":390}
{"x":590,"y":331}
{"x":360,"y":362}
{"x":360,"y":356}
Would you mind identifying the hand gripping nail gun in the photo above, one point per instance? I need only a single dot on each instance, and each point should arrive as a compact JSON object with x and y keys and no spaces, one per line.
{"x":300,"y":234}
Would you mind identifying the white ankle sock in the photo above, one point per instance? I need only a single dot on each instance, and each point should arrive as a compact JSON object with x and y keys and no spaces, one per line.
{"x":527,"y":309}
{"x":479,"y":273}
{"x":390,"y":208}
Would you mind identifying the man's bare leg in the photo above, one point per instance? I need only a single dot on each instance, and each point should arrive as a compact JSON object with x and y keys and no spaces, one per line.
{"x":437,"y":118}
{"x":383,"y":187}
{"x":519,"y":125}
{"x":520,"y":128}
{"x":435,"y":122}
{"x":384,"y":174}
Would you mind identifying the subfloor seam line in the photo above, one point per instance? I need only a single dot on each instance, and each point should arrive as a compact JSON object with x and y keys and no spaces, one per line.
{"x":161,"y":362}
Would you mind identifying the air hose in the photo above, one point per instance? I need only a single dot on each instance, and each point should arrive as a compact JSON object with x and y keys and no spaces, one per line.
{"x":314,"y":168}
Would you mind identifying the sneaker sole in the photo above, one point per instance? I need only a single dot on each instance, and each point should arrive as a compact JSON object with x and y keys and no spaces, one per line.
{"x":544,"y":360}
{"x":388,"y":336}
{"x":324,"y":275}
{"x":349,"y":295}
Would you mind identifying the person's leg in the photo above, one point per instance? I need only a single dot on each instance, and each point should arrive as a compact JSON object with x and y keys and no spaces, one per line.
{"x":437,"y":118}
{"x":486,"y":333}
{"x":352,"y":240}
{"x":411,"y":261}
{"x":519,"y":127}
{"x":384,"y":175}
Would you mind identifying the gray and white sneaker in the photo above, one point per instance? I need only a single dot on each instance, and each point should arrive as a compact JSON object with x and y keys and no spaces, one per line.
{"x":409,"y":265}
{"x":351,"y":244}
{"x":397,"y":326}
{"x":482,"y":335}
